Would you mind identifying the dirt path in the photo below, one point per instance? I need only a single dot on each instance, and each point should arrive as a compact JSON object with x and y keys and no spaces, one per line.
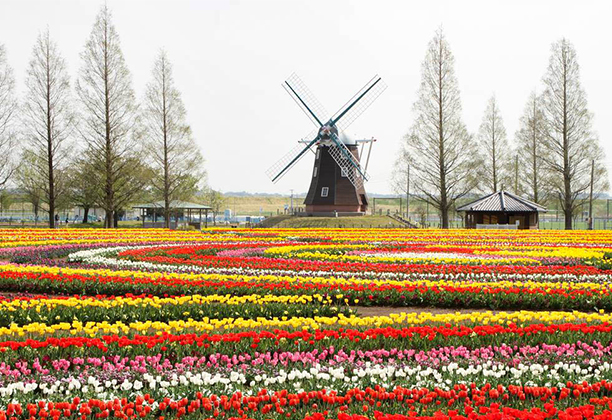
{"x":384,"y":311}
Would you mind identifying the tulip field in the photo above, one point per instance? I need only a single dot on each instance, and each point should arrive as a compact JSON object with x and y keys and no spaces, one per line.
{"x":309,"y":324}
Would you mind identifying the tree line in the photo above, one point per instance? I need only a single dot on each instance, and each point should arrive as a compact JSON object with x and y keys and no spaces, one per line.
{"x":92,"y":143}
{"x":554,"y":155}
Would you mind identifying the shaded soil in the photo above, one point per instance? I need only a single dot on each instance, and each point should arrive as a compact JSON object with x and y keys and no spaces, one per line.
{"x":384,"y":310}
{"x":12,"y":295}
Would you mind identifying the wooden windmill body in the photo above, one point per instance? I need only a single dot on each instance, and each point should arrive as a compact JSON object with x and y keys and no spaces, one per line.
{"x":330,"y":189}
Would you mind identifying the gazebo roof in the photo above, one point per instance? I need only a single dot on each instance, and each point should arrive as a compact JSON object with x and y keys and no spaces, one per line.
{"x":504,"y":202}
{"x":175,"y":204}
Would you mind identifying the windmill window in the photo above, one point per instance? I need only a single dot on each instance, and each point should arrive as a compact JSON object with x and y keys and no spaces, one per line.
{"x":314,"y":174}
{"x":318,"y":154}
{"x":324,"y":191}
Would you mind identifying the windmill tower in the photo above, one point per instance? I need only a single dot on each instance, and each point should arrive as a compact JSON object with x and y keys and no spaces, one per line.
{"x":336,"y":186}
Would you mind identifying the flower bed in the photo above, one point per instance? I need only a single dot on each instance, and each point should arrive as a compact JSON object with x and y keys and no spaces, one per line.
{"x":266,"y":324}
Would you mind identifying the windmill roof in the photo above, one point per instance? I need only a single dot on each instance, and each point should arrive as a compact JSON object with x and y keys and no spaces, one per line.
{"x":502,"y":201}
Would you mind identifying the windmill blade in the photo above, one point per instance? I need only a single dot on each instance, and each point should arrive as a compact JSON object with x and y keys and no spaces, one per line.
{"x":307,"y":139}
{"x":302,"y":96}
{"x":359,"y":103}
{"x":346,"y":154}
{"x":346,"y":161}
{"x":280,"y":168}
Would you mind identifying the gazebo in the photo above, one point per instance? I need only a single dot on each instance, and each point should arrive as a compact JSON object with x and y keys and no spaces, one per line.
{"x":502,"y":210}
{"x":181,"y":210}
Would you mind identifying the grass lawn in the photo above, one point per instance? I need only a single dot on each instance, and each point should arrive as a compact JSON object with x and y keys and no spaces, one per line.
{"x":338,"y":222}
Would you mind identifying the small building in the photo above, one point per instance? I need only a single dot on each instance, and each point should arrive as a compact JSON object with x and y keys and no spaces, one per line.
{"x":502,"y":210}
{"x":193,"y":214}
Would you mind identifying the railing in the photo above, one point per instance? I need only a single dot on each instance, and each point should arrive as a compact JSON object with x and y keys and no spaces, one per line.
{"x":496,"y":226}
{"x":403,"y":221}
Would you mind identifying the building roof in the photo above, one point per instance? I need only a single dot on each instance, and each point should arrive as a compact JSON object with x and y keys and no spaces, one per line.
{"x":175,"y":204}
{"x":502,"y":201}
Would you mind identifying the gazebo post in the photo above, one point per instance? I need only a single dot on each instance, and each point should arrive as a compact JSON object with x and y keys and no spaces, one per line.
{"x":205,"y":218}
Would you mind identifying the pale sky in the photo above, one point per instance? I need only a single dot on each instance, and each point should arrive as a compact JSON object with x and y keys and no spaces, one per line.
{"x":230,"y":58}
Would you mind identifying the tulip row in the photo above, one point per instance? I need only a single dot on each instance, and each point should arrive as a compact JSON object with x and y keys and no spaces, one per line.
{"x":24,"y":311}
{"x":569,"y":401}
{"x":180,"y":338}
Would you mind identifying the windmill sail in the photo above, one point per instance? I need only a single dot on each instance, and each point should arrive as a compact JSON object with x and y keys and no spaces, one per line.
{"x":359,"y":103}
{"x":347,"y":163}
{"x":305,"y":99}
{"x":280,"y":168}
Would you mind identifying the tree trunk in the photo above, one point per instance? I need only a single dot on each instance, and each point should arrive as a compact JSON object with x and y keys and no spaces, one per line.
{"x":444,"y":214}
{"x":591,"y":195}
{"x":443,"y":192}
{"x":86,"y":214}
{"x":109,"y":187}
{"x":534,"y":154}
{"x":109,"y":218}
{"x":115,"y":219}
{"x":568,"y":207}
{"x":166,"y":212}
{"x":166,"y":163}
{"x":494,"y":160}
{"x":568,"y":219}
{"x":50,"y":144}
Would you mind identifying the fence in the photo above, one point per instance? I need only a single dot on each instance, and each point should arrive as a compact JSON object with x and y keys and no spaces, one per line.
{"x":599,"y":223}
{"x":18,"y":217}
{"x":25,"y":217}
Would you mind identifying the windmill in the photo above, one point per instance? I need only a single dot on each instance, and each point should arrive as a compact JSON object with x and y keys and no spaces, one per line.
{"x":338,"y":175}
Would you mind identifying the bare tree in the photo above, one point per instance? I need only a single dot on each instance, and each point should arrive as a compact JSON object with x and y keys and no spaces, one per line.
{"x":216,"y":201}
{"x":30,"y":181}
{"x":515,"y":176}
{"x":8,"y":115}
{"x":494,"y":144}
{"x":400,"y":179}
{"x":569,"y":142}
{"x":176,"y":158}
{"x":109,"y":114}
{"x":529,"y":143}
{"x":48,"y":118}
{"x":440,"y":149}
{"x":82,"y":192}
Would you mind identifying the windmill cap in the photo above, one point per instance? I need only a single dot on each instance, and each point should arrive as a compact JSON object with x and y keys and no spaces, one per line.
{"x":346,"y":139}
